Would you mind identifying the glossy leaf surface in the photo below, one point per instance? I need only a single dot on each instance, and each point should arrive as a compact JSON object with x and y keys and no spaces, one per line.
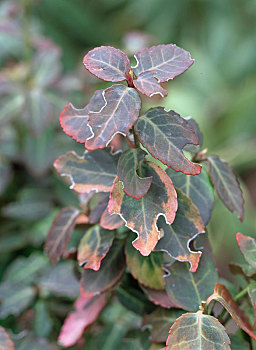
{"x":194,"y":331}
{"x":107,"y":63}
{"x":60,"y":233}
{"x":247,"y":247}
{"x":226,"y":185}
{"x":74,"y":123}
{"x":5,"y":341}
{"x":177,"y":237}
{"x":198,"y":188}
{"x":164,"y":61}
{"x":148,"y":85}
{"x":115,"y":112}
{"x":222,"y":295}
{"x":164,"y":134}
{"x":94,"y":246}
{"x":160,"y":321}
{"x":86,"y":312}
{"x":95,"y":171}
{"x":140,"y":215}
{"x":146,"y":269}
{"x":128,"y":164}
{"x":109,"y":274}
{"x":193,"y":287}
{"x":110,"y":222}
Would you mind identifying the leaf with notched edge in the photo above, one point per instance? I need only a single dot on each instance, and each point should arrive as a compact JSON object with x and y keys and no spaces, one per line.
{"x":86,"y":312}
{"x":164,"y":134}
{"x":117,"y":110}
{"x":198,"y":188}
{"x":94,"y":246}
{"x":5,"y":341}
{"x":160,"y":321}
{"x":140,"y":215}
{"x":146,"y":269}
{"x":128,"y":163}
{"x":194,"y":331}
{"x":93,"y":171}
{"x":164,"y":61}
{"x":226,"y":185}
{"x":177,"y":237}
{"x":108,"y":63}
{"x":222,"y":295}
{"x":193,"y":287}
{"x":110,"y":222}
{"x":110,"y":272}
{"x":60,"y":233}
{"x":247,"y":246}
{"x":148,"y":85}
{"x":74,"y":123}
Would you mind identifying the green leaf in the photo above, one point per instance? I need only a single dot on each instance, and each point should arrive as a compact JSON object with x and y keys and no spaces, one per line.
{"x":238,"y":343}
{"x":222,"y":295}
{"x":106,"y":115}
{"x":128,"y":163}
{"x":94,"y":246}
{"x":252,"y":295}
{"x":247,"y":247}
{"x":198,"y":188}
{"x":188,"y":289}
{"x":140,"y":215}
{"x":159,"y":322}
{"x":110,"y":272}
{"x":15,"y":298}
{"x":226,"y":185}
{"x":60,"y":233}
{"x":42,"y":321}
{"x":146,"y":269}
{"x":94,"y":171}
{"x":5,"y":341}
{"x":164,"y":134}
{"x":242,"y":269}
{"x":27,"y":341}
{"x":193,"y":331}
{"x":178,"y":236}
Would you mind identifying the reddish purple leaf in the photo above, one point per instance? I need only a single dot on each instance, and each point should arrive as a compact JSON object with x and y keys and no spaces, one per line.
{"x":108,"y":63}
{"x":127,"y":166}
{"x":86,"y":312}
{"x":159,"y":297}
{"x":164,"y":134}
{"x":110,"y":222}
{"x":148,"y":85}
{"x":226,"y":185}
{"x":74,"y":123}
{"x":5,"y":341}
{"x":97,"y":205}
{"x":60,"y":233}
{"x":114,"y":112}
{"x":247,"y":246}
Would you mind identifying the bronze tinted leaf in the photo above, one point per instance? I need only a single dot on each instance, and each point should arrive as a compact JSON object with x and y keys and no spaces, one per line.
{"x":226,"y":185}
{"x":164,"y":134}
{"x":110,"y":272}
{"x":222,"y":295}
{"x":146,"y":269}
{"x":164,"y":61}
{"x":74,"y":123}
{"x":86,"y":312}
{"x":108,"y":63}
{"x":140,"y":215}
{"x":60,"y":233}
{"x":5,"y":341}
{"x":115,"y":112}
{"x":148,"y":85}
{"x":194,"y":331}
{"x":247,"y":247}
{"x":111,"y":222}
{"x":94,"y":171}
{"x":160,"y":321}
{"x":94,"y":246}
{"x":177,"y":237}
{"x":193,"y":287}
{"x":127,"y":166}
{"x":198,"y":188}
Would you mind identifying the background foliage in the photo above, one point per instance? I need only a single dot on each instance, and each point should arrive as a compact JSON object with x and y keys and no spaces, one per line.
{"x":42,"y":44}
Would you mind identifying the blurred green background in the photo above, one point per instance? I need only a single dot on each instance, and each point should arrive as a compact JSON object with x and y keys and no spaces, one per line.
{"x":42,"y":44}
